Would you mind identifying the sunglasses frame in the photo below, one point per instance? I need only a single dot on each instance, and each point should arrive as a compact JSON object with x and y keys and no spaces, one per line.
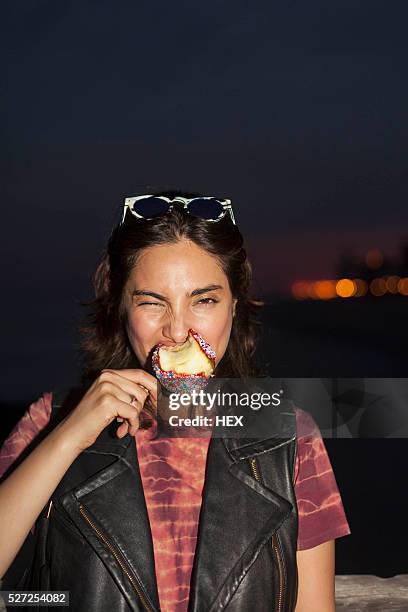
{"x":130,"y":201}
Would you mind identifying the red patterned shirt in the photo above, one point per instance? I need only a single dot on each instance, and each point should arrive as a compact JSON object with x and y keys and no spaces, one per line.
{"x":173,"y":470}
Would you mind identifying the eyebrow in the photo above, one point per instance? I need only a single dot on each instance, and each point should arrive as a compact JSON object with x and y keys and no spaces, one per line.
{"x":199,"y":291}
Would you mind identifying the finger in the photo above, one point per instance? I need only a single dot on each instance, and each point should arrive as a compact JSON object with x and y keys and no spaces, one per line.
{"x":122,"y":430}
{"x":130,"y":426}
{"x":127,"y":428}
{"x":112,"y":408}
{"x":141,"y":377}
{"x":133,"y":389}
{"x":109,"y":385}
{"x":128,"y":417}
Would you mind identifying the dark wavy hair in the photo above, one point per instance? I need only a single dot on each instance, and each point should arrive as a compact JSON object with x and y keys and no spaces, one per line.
{"x":104,"y":341}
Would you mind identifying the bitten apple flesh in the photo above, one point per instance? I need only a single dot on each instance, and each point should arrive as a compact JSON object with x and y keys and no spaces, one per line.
{"x":184,"y":368}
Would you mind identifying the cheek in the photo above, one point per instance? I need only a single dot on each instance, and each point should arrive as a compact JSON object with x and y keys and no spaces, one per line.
{"x":221,"y":331}
{"x":140,"y":329}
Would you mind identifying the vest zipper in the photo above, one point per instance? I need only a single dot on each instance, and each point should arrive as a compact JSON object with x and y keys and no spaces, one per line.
{"x":119,"y":558}
{"x":275,"y":541}
{"x":276,"y":547}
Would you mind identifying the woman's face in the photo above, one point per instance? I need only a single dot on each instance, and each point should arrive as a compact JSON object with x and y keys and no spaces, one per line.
{"x":174,"y":287}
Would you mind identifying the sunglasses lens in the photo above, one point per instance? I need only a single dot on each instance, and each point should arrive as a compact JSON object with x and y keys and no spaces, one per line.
{"x":206,"y":209}
{"x":150,"y":207}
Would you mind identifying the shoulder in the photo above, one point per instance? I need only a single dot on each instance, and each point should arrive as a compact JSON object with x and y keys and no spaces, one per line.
{"x":36,"y":423}
{"x":306,"y":426}
{"x":34,"y":419}
{"x":36,"y":416}
{"x":311,"y":453}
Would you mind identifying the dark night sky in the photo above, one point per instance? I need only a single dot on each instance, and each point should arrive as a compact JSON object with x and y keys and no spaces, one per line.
{"x":295,"y":110}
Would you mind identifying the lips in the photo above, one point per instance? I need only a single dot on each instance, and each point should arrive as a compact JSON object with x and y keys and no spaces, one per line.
{"x":184,"y":368}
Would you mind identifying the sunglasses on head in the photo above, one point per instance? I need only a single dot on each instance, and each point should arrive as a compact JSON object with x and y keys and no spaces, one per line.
{"x":151,"y":206}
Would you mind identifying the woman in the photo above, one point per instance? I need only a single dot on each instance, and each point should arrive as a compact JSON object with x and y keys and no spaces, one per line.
{"x":125,"y":519}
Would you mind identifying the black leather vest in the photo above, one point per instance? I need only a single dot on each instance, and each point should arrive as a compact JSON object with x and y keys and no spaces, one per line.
{"x":96,"y":541}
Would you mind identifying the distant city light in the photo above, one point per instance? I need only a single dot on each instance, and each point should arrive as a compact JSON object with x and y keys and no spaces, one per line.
{"x":361,"y":286}
{"x":374,"y":259}
{"x":378,"y":287}
{"x":346,"y":287}
{"x":403,"y":286}
{"x":300,"y":290}
{"x":327,"y":289}
{"x":392,"y":284}
{"x":379,"y":276}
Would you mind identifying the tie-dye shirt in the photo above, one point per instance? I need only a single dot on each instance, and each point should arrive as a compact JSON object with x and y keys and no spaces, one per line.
{"x":173,"y":470}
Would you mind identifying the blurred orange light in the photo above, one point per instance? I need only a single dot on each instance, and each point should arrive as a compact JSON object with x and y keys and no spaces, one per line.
{"x":374,"y":259}
{"x":378,"y":287}
{"x":300,"y":290}
{"x":312,"y":291}
{"x":345,"y":288}
{"x":361,"y":287}
{"x":403,"y":286}
{"x":392,"y":284}
{"x":325,"y":289}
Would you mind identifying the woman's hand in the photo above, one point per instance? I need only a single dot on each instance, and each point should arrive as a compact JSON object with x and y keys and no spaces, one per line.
{"x":119,"y":394}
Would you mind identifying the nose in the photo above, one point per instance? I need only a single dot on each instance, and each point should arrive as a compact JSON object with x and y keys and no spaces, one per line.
{"x":176,"y":327}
